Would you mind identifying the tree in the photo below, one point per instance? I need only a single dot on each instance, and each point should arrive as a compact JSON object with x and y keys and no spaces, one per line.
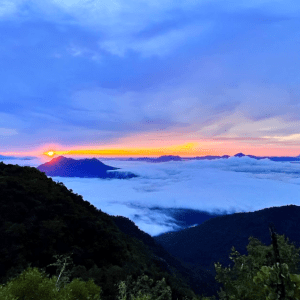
{"x":33,"y":283}
{"x":264,"y":273}
{"x":144,"y":289}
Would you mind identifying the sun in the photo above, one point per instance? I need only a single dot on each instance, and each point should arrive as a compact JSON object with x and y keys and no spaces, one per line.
{"x":50,"y":153}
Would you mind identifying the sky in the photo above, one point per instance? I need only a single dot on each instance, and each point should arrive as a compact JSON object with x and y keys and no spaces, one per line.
{"x":176,"y":195}
{"x":150,"y":78}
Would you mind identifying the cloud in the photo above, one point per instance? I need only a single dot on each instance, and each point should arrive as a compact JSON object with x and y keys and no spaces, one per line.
{"x":219,"y":186}
{"x":7,"y":7}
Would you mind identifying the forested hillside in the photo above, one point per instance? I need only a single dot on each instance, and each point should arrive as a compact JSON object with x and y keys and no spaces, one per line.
{"x":211,"y":241}
{"x":40,"y":218}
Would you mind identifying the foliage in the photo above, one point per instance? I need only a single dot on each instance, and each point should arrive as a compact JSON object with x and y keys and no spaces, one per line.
{"x":31,"y":284}
{"x":270,"y":277}
{"x":144,"y":286}
{"x":259,"y":275}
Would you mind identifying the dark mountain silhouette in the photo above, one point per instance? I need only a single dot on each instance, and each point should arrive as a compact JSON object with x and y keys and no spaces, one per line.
{"x":239,"y":155}
{"x":284,"y":158}
{"x":201,"y":281}
{"x":41,"y":218}
{"x":209,"y":157}
{"x":163,"y":158}
{"x":148,"y":159}
{"x":69,"y":167}
{"x":200,"y":246}
{"x":166,"y":158}
{"x":273,"y":158}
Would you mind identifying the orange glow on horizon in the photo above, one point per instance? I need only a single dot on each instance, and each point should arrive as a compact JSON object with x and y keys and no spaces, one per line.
{"x":153,"y":148}
{"x":183,"y":149}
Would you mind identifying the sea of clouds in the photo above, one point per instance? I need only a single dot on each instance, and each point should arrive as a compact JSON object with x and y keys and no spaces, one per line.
{"x":164,"y":191}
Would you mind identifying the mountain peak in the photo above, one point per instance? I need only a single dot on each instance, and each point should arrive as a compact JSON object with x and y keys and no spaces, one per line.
{"x":88,"y":167}
{"x":240,"y":155}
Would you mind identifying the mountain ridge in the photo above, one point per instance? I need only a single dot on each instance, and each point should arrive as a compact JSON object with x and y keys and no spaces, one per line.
{"x":166,"y":158}
{"x":193,"y":245}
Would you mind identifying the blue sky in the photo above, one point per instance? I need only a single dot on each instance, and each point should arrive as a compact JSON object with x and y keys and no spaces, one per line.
{"x":219,"y":76}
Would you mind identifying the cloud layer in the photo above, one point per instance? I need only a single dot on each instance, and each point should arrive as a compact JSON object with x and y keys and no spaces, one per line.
{"x":170,"y":196}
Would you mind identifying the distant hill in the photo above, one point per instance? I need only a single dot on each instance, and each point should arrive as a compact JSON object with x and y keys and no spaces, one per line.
{"x":202,"y":245}
{"x":209,"y":157}
{"x":69,"y":167}
{"x":164,"y":158}
{"x":239,"y":155}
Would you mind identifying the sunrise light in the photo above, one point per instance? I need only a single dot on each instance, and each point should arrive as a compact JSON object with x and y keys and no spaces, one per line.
{"x":181,"y":149}
{"x":49,"y":153}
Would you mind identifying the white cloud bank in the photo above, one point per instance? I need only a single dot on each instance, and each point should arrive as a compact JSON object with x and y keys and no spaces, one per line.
{"x":219,"y":186}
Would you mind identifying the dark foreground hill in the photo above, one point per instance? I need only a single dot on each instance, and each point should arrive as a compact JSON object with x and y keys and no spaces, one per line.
{"x":211,"y":241}
{"x":69,"y":167}
{"x":40,"y":218}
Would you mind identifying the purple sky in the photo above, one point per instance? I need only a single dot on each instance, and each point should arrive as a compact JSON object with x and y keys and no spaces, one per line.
{"x":203,"y":77}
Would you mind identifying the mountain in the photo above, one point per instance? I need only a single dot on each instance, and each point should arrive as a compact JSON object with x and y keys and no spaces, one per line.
{"x":283,"y":158}
{"x":41,"y":218}
{"x":239,"y":155}
{"x":164,"y":158}
{"x":209,"y":157}
{"x":69,"y":167}
{"x":201,"y":281}
{"x":202,"y":245}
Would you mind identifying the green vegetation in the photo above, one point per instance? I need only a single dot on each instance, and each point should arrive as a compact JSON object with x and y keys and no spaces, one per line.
{"x":41,"y":220}
{"x":35,"y":284}
{"x":264,"y":274}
